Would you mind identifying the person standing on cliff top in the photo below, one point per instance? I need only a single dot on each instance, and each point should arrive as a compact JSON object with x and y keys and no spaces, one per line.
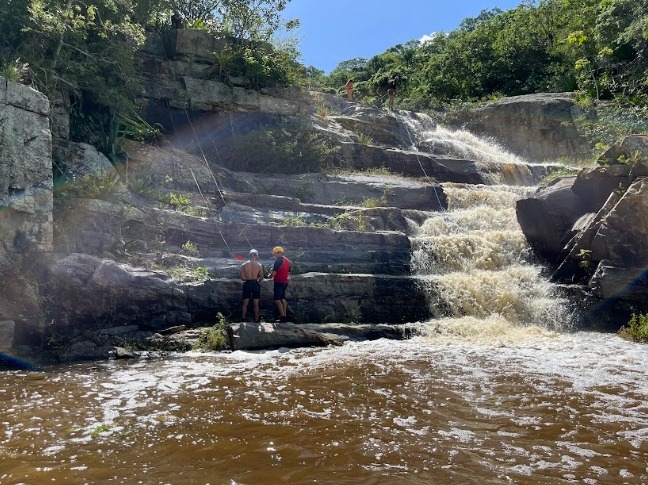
{"x":279,"y":274}
{"x":252,"y":275}
{"x":349,"y":89}
{"x":391,"y":92}
{"x":177,"y":22}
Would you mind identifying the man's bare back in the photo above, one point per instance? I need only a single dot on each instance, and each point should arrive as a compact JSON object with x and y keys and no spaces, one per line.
{"x":251,"y":270}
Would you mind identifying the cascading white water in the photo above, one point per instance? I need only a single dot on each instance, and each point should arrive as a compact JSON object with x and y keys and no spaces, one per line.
{"x":456,"y":142}
{"x":474,"y":258}
{"x":497,"y":165}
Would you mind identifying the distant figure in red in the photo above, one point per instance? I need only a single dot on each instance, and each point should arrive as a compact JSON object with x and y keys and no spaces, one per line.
{"x":391,"y":92}
{"x":279,"y":274}
{"x":349,"y":89}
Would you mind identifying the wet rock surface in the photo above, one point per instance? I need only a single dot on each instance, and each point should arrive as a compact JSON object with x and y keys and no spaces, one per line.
{"x":595,"y":230}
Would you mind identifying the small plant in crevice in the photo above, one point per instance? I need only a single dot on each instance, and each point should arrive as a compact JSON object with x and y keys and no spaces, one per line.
{"x":143,"y":187}
{"x":181,"y":203}
{"x":373,"y":202}
{"x":14,"y":70}
{"x":364,"y":139}
{"x":201,"y":273}
{"x":637,"y":328}
{"x":321,"y":107}
{"x":332,"y":170}
{"x":90,"y":187}
{"x":190,"y":248}
{"x":214,"y":338}
{"x":585,"y":257}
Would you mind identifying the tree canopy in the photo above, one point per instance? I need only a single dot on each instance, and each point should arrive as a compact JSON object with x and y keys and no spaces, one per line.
{"x":597,"y":47}
{"x":85,"y":50}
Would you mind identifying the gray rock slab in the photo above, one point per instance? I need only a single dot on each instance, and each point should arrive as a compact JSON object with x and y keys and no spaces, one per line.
{"x":257,"y":336}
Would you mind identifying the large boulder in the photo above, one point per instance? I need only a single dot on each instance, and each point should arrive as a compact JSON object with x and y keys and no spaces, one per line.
{"x":611,"y":282}
{"x":623,"y":235}
{"x":88,"y":292}
{"x":254,"y":336}
{"x":539,"y":127}
{"x":547,"y":217}
{"x":594,"y":185}
{"x":81,"y":161}
{"x":251,"y":336}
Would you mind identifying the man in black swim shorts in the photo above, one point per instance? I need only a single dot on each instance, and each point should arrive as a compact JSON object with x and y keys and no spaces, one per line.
{"x":252,"y":275}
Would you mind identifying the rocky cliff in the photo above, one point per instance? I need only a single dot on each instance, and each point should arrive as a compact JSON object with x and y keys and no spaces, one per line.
{"x":592,"y":229}
{"x":156,"y":243}
{"x":26,"y":224}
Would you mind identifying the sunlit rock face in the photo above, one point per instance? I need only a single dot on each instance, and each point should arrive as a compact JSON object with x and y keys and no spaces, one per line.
{"x":25,"y":170}
{"x":25,"y":206}
{"x":540,"y":127}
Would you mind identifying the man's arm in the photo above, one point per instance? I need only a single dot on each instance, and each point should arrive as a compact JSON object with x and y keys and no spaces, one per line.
{"x":275,"y":267}
{"x":242,"y":273}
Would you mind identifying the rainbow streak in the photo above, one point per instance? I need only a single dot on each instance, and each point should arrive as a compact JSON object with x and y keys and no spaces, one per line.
{"x":12,"y":362}
{"x":636,"y":279}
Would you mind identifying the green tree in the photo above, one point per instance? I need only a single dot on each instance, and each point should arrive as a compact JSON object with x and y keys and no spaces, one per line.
{"x":255,"y":20}
{"x":622,"y":35}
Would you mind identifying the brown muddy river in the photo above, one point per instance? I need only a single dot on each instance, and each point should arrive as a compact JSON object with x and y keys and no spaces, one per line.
{"x":540,"y":408}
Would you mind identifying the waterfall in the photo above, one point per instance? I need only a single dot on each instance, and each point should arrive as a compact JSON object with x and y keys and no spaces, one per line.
{"x":474,"y":261}
{"x":497,"y":165}
{"x":432,"y":138}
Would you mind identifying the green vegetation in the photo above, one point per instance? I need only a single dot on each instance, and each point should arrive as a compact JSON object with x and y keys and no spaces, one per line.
{"x":365,"y":171}
{"x":364,"y":139}
{"x":373,"y":202}
{"x":103,"y":428}
{"x":612,"y":121}
{"x":185,"y":274}
{"x":596,"y":47}
{"x":214,"y":338}
{"x":14,"y":71}
{"x":557,"y":174}
{"x":89,"y":187}
{"x":258,"y":66}
{"x":200,"y":273}
{"x":83,"y":53}
{"x":180,"y":203}
{"x":190,"y":248}
{"x":268,"y":144}
{"x":637,"y":329}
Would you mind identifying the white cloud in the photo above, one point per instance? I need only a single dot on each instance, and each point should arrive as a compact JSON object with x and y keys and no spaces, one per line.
{"x":430,"y":37}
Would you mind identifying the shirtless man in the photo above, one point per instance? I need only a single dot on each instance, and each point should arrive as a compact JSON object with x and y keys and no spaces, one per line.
{"x":252,"y":274}
{"x":349,"y":89}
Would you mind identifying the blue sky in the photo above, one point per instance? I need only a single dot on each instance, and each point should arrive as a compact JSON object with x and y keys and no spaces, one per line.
{"x":336,"y":30}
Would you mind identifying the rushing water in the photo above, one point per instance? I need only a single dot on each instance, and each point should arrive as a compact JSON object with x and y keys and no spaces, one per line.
{"x":493,"y":391}
{"x":545,"y":409}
